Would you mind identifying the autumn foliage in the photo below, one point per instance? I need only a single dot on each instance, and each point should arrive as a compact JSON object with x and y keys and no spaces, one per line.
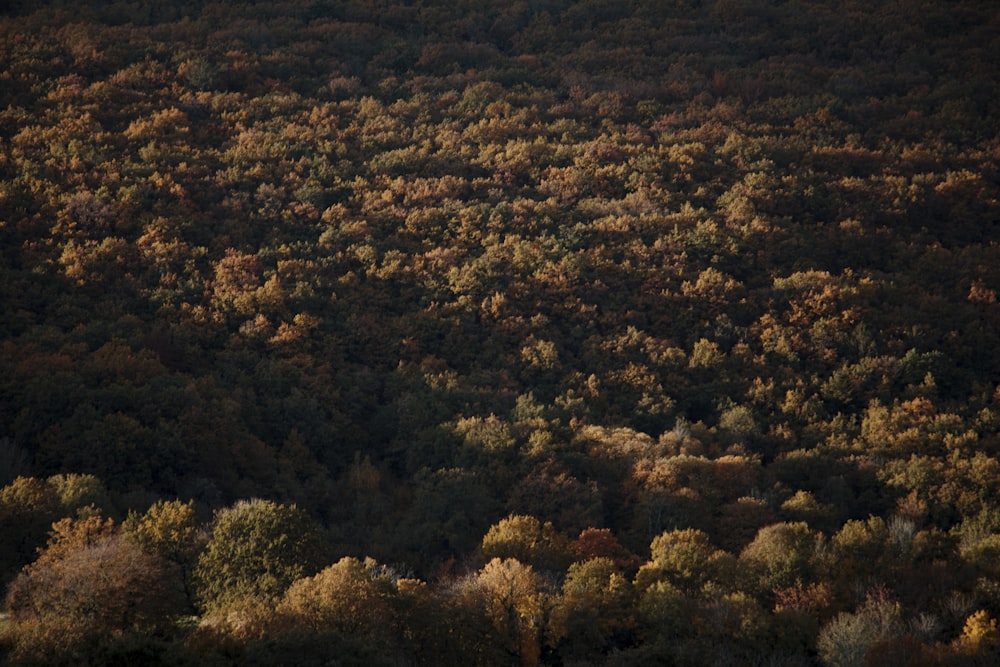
{"x":557,"y":332}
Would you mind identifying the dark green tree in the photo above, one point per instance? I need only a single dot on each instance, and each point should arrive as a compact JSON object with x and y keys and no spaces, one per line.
{"x":256,"y":550}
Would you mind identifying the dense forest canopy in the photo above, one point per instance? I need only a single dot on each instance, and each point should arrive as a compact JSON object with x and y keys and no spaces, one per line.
{"x":538,"y":332}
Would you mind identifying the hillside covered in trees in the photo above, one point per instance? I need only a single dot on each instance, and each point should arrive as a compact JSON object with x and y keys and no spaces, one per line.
{"x":561,"y":332}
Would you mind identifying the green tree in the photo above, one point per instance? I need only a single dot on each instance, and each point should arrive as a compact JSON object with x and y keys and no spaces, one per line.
{"x":451,"y":508}
{"x":256,"y":550}
{"x":81,"y":494}
{"x":861,"y":551}
{"x":664,"y":612}
{"x":780,"y":556}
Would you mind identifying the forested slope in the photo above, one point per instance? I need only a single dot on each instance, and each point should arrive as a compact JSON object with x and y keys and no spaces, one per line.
{"x":610,"y":331}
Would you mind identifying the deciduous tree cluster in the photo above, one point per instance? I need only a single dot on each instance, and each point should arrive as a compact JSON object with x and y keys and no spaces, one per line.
{"x":556,"y":332}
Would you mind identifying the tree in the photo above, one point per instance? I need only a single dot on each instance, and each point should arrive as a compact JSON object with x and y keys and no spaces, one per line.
{"x":509,"y":595}
{"x":169,"y":527}
{"x":528,"y":540}
{"x":780,"y":556}
{"x":980,"y":637}
{"x":739,"y":522}
{"x":664,"y":612}
{"x":686,"y":559}
{"x":984,"y":555}
{"x":595,"y":607}
{"x":860,"y":552}
{"x":846,"y":640}
{"x":345,"y":613}
{"x":601,"y":543}
{"x":450,"y":509}
{"x":256,"y":550}
{"x":803,"y":506}
{"x":555,"y":494}
{"x":29,"y":506}
{"x":88,"y":588}
{"x":172,"y":531}
{"x":70,"y":535}
{"x":735,"y":625}
{"x":81,"y":494}
{"x":350,"y":597}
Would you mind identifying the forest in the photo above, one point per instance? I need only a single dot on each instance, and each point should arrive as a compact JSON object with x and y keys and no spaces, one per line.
{"x":479,"y":332}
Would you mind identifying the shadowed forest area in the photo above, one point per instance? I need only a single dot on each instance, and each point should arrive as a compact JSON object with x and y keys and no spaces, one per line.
{"x":542,"y":332}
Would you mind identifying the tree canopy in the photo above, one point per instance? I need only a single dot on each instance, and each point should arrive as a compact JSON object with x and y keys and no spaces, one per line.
{"x":548,"y":332}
